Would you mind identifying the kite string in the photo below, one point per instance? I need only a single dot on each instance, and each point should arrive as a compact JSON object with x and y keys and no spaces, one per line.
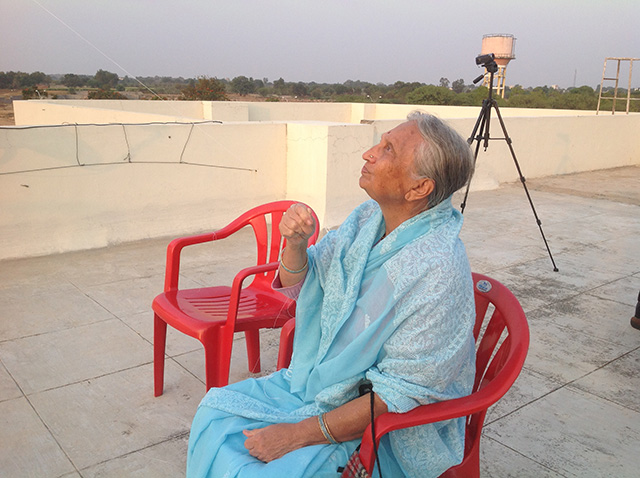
{"x":95,"y":47}
{"x":231,"y":153}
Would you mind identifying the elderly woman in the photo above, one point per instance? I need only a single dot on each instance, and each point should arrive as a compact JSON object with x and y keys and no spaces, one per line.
{"x":386,"y":298}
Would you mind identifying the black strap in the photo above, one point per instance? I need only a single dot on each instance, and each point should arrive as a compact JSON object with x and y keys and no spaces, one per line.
{"x":367,"y":387}
{"x":373,"y":432}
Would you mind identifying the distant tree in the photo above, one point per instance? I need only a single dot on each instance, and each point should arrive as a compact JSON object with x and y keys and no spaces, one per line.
{"x":583,"y":90}
{"x":6,"y":79}
{"x":515,"y":90}
{"x":528,"y":99}
{"x":458,"y":86}
{"x":357,"y":86}
{"x":257,"y":84}
{"x":473,"y":97}
{"x":582,"y":98}
{"x":264,"y":91}
{"x":105,"y":95}
{"x":19,"y":79}
{"x":279,"y":86}
{"x":243,"y":85}
{"x":39,"y":78}
{"x":543,"y":89}
{"x":328,"y":90}
{"x":401,"y":89}
{"x":341,"y":89}
{"x":430,"y":95}
{"x":205,"y":89}
{"x":73,"y":81}
{"x":444,"y":82}
{"x":129,"y":82}
{"x":105,"y":80}
{"x":15,"y":80}
{"x":300,"y":89}
{"x":373,"y":91}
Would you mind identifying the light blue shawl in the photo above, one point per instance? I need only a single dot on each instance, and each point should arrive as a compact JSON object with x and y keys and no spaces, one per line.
{"x":399,"y":313}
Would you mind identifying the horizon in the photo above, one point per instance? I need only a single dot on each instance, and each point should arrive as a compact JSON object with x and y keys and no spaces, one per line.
{"x":271,"y":80}
{"x":557,"y":43}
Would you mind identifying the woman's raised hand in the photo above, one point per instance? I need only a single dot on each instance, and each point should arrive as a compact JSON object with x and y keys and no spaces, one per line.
{"x":297,"y":226}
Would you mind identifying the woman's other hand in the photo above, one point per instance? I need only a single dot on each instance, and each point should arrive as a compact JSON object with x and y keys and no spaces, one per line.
{"x":272,"y":442}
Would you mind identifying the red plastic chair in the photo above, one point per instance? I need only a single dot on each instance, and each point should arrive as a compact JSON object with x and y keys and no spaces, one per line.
{"x":213,"y":314}
{"x":500,"y":355}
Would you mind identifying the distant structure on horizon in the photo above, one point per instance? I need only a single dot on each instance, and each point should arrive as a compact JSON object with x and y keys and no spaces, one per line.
{"x":503,"y":46}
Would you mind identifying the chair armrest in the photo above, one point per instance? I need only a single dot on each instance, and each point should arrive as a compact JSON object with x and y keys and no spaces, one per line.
{"x":236,"y":288}
{"x":424,"y":414}
{"x":172,"y":271}
{"x":175,"y":247}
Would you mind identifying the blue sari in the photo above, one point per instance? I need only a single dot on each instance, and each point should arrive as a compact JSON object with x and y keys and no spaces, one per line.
{"x":399,"y":313}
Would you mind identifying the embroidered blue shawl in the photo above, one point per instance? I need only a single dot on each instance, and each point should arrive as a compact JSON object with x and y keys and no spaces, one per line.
{"x":398,"y":312}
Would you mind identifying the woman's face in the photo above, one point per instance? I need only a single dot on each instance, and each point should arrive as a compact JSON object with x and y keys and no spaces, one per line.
{"x":387,"y":175}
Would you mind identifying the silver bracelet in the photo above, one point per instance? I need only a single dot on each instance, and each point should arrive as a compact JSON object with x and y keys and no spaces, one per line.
{"x":306,"y":264}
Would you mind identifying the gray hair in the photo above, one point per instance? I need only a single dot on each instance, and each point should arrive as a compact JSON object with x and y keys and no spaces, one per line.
{"x":444,"y":156}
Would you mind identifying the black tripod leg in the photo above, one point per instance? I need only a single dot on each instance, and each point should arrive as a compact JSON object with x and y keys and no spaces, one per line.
{"x":481,"y":124}
{"x":523,"y":181}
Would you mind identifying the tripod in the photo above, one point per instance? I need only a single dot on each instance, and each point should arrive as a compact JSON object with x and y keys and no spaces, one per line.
{"x":480,"y":134}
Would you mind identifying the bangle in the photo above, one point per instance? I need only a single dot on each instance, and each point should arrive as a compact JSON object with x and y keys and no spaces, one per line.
{"x":324,"y":428}
{"x":302,"y":269}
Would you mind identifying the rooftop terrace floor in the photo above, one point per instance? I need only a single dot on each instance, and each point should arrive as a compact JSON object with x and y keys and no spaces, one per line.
{"x":76,"y":381}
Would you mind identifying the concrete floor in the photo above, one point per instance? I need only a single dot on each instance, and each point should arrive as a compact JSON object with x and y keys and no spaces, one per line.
{"x":76,"y":382}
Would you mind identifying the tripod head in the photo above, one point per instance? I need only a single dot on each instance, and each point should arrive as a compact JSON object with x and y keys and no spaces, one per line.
{"x":489,"y":63}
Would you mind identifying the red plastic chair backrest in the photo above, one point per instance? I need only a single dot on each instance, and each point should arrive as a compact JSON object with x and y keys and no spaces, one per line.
{"x":265,"y":220}
{"x":502,"y":342}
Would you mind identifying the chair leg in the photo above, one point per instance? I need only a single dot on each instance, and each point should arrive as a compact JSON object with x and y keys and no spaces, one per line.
{"x":252,"y":337}
{"x":217,"y":358}
{"x":159,"y":343}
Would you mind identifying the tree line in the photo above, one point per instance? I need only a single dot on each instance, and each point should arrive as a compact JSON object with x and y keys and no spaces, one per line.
{"x":107,"y":85}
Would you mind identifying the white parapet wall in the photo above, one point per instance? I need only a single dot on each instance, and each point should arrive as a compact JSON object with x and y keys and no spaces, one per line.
{"x":323,"y":167}
{"x":71,"y":188}
{"x":139,"y":170}
{"x":379,"y":111}
{"x":49,"y":112}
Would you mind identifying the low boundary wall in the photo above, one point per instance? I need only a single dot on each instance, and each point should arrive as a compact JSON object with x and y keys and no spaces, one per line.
{"x":81,"y":186}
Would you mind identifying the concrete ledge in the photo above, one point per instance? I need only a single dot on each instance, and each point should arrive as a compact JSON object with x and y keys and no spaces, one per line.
{"x":135,"y":172}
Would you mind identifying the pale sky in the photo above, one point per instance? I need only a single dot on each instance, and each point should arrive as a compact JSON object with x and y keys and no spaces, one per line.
{"x":558,"y":42}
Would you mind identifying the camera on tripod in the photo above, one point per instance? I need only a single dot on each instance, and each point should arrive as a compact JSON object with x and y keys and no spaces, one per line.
{"x":488,"y":61}
{"x":482,"y":59}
